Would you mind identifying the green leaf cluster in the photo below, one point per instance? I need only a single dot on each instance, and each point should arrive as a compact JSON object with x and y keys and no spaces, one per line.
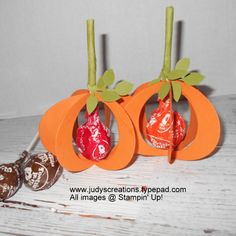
{"x":180,"y":72}
{"x":122,"y":88}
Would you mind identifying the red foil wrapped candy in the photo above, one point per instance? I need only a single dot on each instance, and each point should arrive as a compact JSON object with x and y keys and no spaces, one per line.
{"x":93,"y":138}
{"x":161,"y":129}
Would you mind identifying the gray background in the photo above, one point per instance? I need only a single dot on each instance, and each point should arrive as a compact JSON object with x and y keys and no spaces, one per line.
{"x":43,"y":52}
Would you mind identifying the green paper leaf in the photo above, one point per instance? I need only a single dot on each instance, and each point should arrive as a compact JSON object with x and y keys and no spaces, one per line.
{"x":183,"y":64}
{"x":91,"y":103}
{"x":92,"y":89}
{"x":176,"y":87}
{"x":155,"y":81}
{"x":110,"y":96}
{"x":123,"y":88}
{"x":108,"y":77}
{"x":176,"y":74}
{"x":101,"y":85}
{"x":164,"y":90}
{"x":193,"y":78}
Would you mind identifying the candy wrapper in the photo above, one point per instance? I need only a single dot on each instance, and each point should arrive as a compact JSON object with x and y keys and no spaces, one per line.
{"x":93,"y":138}
{"x":11,"y":177}
{"x":161,"y":129}
{"x":41,"y":171}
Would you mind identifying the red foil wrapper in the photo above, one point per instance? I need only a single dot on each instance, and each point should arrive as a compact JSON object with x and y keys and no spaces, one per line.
{"x":162,"y":130}
{"x":93,"y":138}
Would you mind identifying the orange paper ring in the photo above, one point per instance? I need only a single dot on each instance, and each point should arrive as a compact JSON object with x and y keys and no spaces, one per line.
{"x":203,"y":136}
{"x":77,"y":92}
{"x":61,"y":117}
{"x":143,"y":118}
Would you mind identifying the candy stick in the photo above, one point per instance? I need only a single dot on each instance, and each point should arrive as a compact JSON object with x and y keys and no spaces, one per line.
{"x":97,"y":147}
{"x":166,"y":69}
{"x":25,"y":155}
{"x":33,"y":143}
{"x":91,"y":53}
{"x":168,"y":39}
{"x":92,"y":64}
{"x":170,"y":149}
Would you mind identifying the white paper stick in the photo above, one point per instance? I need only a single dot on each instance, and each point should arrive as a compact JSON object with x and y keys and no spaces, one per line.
{"x":33,"y":142}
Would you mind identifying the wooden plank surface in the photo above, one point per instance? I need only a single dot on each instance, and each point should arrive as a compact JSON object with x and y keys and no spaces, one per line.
{"x":208,"y":207}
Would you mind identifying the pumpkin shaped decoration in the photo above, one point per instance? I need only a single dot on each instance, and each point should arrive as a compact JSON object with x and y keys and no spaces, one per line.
{"x":166,"y":129}
{"x":58,"y":126}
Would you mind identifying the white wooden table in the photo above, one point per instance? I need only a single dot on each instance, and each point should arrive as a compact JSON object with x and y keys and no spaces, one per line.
{"x":208,"y":207}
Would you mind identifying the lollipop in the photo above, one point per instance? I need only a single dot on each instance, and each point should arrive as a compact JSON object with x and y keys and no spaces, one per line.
{"x":38,"y":172}
{"x":161,"y":129}
{"x":93,"y":138}
{"x":11,"y":174}
{"x":166,"y":128}
{"x":41,"y":171}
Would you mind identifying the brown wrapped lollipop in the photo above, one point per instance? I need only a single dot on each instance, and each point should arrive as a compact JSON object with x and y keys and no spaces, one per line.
{"x":38,"y":172}
{"x":11,"y":174}
{"x":11,"y":177}
{"x":41,"y":171}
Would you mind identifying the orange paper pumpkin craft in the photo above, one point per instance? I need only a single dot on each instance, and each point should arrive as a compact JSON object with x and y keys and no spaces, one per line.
{"x":201,"y":136}
{"x":58,"y":126}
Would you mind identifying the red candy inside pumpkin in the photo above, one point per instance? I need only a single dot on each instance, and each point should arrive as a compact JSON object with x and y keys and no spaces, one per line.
{"x":93,"y":138}
{"x":161,"y":129}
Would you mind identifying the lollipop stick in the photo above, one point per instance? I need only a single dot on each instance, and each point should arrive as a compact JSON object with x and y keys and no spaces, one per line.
{"x":91,"y":53}
{"x":166,"y":69}
{"x":25,"y":155}
{"x":168,"y":39}
{"x":33,"y":142}
{"x":172,"y":121}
